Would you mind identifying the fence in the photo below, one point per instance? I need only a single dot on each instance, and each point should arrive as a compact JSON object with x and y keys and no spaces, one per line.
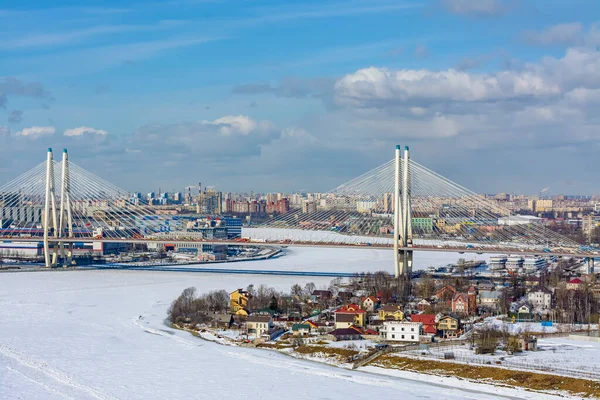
{"x":510,"y":362}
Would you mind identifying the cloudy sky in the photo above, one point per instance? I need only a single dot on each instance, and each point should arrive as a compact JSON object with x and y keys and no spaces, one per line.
{"x":265,"y":95}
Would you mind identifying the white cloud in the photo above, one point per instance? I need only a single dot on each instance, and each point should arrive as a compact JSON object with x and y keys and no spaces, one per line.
{"x":36,"y":131}
{"x":4,"y":130}
{"x":369,"y":86}
{"x":80,"y":131}
{"x":548,"y":80}
{"x":238,"y":125}
{"x":568,"y":34}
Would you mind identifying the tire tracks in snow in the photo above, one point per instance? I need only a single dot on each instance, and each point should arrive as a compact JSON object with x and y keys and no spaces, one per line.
{"x":39,"y":371}
{"x":173,"y":336}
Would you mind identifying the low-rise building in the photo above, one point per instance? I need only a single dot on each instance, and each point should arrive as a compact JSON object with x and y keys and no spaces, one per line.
{"x":574,"y":284}
{"x":370,"y":303}
{"x":400,"y":331}
{"x":301,"y":329}
{"x":391,"y":312}
{"x":449,"y":326}
{"x":489,"y":299}
{"x":259,"y":324}
{"x":423,"y":305}
{"x":345,"y":334}
{"x":428,"y":322}
{"x":540,"y":299}
{"x":348,"y":315}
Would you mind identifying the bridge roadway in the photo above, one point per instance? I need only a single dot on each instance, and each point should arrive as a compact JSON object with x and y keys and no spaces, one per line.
{"x":486,"y":250}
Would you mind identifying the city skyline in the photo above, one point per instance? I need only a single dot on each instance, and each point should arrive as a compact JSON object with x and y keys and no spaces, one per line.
{"x":266,"y":96}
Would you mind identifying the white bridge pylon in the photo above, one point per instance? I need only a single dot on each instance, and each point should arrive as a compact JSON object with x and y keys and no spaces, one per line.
{"x":57,"y":226}
{"x":403,"y":232}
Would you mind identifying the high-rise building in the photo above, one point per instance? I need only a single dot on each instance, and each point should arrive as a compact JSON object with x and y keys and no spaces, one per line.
{"x":209,"y":202}
{"x":309,"y":207}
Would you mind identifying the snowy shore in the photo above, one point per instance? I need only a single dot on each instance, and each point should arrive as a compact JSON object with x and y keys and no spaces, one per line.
{"x":79,"y":335}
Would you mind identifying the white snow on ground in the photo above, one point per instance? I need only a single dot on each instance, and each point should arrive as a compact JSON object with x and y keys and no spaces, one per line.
{"x":533,"y":327}
{"x":100,"y":335}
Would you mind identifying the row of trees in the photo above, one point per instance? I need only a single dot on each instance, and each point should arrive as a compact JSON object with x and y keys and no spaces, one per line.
{"x":191,"y":308}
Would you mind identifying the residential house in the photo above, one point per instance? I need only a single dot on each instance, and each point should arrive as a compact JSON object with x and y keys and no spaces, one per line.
{"x":370,"y":303}
{"x":321,"y":295}
{"x":351,"y":314}
{"x":370,"y":334}
{"x":259,"y":324}
{"x":345,"y":297}
{"x":483,"y":286}
{"x":375,"y":324}
{"x":524,"y":309}
{"x":449,"y":326}
{"x":391,"y":312}
{"x":574,"y":284}
{"x":423,"y":305}
{"x":522,"y":344}
{"x":540,"y":299}
{"x":489,"y":299}
{"x":238,"y":302}
{"x":323,"y":327}
{"x":223,"y":320}
{"x":401,"y":331}
{"x":428,"y":322}
{"x":465,"y":303}
{"x":301,"y":329}
{"x":445,"y":293}
{"x":345,"y":334}
{"x":272,"y":333}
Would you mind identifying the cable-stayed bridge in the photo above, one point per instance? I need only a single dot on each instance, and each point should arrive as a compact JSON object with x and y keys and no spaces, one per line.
{"x":400,"y":205}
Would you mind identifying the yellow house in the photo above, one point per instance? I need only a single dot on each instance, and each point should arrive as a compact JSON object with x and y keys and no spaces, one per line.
{"x":238,"y":301}
{"x":391,"y":312}
{"x":351,"y":314}
{"x":449,"y":326}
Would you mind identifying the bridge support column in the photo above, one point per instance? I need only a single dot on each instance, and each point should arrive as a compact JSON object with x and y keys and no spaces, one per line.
{"x":590,"y":265}
{"x":403,"y":257}
{"x":50,"y":207}
{"x":65,"y":221}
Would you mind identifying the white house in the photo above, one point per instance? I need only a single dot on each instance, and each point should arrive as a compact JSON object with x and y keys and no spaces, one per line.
{"x":370,"y":303}
{"x":401,"y":331}
{"x":259,"y":324}
{"x":540,"y":299}
{"x":489,"y":299}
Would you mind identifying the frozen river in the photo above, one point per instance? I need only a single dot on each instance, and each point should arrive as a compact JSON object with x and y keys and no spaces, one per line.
{"x":78,"y":335}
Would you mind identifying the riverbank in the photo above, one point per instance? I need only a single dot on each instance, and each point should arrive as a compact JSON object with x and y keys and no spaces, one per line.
{"x":349,"y":354}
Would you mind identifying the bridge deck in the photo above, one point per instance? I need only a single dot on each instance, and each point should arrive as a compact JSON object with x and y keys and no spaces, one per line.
{"x":476,"y":250}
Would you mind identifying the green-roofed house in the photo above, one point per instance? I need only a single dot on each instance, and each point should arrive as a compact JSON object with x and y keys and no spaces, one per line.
{"x":301,"y":329}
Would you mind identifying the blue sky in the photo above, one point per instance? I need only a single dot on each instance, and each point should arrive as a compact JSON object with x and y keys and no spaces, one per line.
{"x":281,"y":96}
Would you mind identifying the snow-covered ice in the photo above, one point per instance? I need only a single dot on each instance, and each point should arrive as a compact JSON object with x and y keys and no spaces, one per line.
{"x":101,"y":335}
{"x":344,"y":260}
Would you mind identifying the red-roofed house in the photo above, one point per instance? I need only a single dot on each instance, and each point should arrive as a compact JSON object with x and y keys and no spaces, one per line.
{"x":428,"y":321}
{"x":348,"y":315}
{"x":574,"y":284}
{"x":370,"y":303}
